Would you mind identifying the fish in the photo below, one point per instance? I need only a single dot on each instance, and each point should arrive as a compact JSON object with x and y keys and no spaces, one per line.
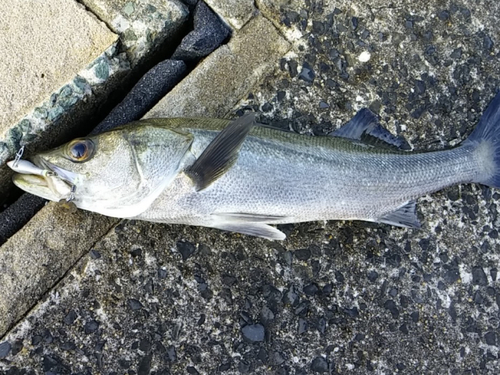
{"x":241,"y":176}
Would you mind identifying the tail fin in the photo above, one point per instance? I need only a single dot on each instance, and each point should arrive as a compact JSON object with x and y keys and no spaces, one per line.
{"x":486,"y":140}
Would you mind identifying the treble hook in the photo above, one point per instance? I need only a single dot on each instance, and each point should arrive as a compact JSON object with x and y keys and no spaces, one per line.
{"x":71,"y":194}
{"x":19,"y":155}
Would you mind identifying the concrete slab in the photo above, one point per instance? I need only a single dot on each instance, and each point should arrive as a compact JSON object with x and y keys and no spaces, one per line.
{"x":227,"y":74}
{"x":235,"y":12}
{"x":43,"y":45}
{"x":142,"y":25}
{"x":38,"y":256}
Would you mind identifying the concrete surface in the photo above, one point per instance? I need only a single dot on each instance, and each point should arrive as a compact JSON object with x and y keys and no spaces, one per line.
{"x":142,"y":25}
{"x":30,"y":70}
{"x":336,"y":297}
{"x":235,"y":12}
{"x":37,"y":256}
{"x":226,"y":75}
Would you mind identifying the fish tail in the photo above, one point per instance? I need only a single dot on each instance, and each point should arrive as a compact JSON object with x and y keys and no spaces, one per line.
{"x":485,"y":140}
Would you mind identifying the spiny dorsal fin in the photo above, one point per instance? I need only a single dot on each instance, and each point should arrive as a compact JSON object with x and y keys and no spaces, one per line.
{"x":404,"y":216}
{"x":366,"y":128}
{"x":221,"y":153}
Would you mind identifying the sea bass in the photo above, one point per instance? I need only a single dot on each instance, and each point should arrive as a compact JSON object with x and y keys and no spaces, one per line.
{"x":240,"y":176}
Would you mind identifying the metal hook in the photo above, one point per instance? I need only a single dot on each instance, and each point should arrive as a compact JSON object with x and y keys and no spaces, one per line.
{"x":19,"y":155}
{"x":71,"y":194}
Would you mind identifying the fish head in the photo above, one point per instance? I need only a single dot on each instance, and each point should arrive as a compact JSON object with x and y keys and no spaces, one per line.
{"x":112,"y":173}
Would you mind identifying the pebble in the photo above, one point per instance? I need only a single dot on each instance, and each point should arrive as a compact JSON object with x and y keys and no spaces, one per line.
{"x":365,"y":56}
{"x":319,"y":364}
{"x":254,"y":332}
{"x":415,"y":316}
{"x":208,"y":34}
{"x":266,"y":315}
{"x":311,"y":289}
{"x":293,"y":68}
{"x":479,"y":276}
{"x":70,"y":318}
{"x":186,"y":249}
{"x":491,"y":338}
{"x":302,"y":308}
{"x":444,"y":15}
{"x":91,"y":326}
{"x":307,"y":73}
{"x":487,"y":43}
{"x":4,"y":349}
{"x":134,"y":304}
{"x":302,"y":254}
{"x":302,"y":326}
{"x":276,"y":358}
{"x":321,"y":325}
{"x":372,"y":275}
{"x":494,"y":273}
{"x":391,"y":306}
{"x":291,"y":297}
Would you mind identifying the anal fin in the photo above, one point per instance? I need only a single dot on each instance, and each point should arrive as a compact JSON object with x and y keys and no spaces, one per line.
{"x":404,"y":216}
{"x":249,"y":223}
{"x":252,"y":229}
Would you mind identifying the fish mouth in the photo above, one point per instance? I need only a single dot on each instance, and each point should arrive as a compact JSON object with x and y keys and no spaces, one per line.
{"x":54,"y":184}
{"x":63,"y":174}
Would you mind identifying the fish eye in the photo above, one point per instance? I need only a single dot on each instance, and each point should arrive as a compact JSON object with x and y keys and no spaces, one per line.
{"x":81,"y":150}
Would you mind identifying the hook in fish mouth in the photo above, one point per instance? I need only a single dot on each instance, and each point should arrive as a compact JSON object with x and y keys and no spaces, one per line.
{"x":44,"y":179}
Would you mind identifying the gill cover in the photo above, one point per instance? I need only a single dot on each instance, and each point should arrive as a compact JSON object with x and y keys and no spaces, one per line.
{"x":155,"y":156}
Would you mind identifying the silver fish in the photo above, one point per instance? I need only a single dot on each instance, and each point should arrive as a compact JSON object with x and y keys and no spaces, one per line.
{"x":238,"y":177}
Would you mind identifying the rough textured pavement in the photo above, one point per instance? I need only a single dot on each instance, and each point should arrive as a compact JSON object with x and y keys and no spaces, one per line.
{"x":336,"y":297}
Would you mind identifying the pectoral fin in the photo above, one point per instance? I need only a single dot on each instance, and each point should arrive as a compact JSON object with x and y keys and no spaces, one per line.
{"x":366,"y":128}
{"x":404,"y":216}
{"x":221,"y":153}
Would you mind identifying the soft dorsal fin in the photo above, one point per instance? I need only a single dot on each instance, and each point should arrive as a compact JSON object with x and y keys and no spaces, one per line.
{"x":404,"y":216}
{"x":366,"y":128}
{"x":221,"y":153}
